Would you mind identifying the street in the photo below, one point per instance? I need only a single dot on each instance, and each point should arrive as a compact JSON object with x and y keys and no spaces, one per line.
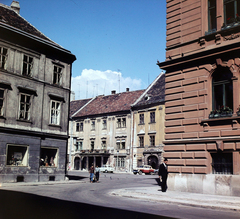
{"x":78,"y":198}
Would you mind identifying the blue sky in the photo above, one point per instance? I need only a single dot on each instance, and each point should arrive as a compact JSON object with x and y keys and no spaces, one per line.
{"x":117,"y":42}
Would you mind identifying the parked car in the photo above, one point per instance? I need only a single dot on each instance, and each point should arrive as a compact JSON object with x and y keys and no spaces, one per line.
{"x":106,"y":169}
{"x":147,"y":169}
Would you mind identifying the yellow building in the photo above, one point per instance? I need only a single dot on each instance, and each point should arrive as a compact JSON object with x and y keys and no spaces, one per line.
{"x":148,"y":125}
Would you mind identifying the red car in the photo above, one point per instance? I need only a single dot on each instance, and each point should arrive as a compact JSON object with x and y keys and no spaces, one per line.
{"x":147,"y":169}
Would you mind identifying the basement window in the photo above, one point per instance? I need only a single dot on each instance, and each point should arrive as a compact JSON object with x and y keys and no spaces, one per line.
{"x":222,"y":163}
{"x":17,"y":155}
{"x":49,"y":157}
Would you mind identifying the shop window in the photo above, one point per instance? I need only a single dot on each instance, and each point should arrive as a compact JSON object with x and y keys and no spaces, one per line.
{"x":152,"y":140}
{"x":49,"y":157}
{"x":1,"y":102}
{"x":141,"y":118}
{"x":24,"y":107}
{"x":57,"y":75}
{"x":3,"y":57}
{"x":231,"y":11}
{"x":17,"y":155}
{"x":104,"y":124}
{"x":152,"y":117}
{"x":120,"y":144}
{"x":55,"y":112}
{"x":141,"y":141}
{"x":120,"y":162}
{"x":222,"y":93}
{"x":222,"y":163}
{"x":212,"y":23}
{"x":27,"y":65}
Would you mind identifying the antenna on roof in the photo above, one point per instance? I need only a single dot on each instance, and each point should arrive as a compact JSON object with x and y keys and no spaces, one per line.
{"x":119,"y":79}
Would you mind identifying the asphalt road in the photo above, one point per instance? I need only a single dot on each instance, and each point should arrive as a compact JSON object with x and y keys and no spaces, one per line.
{"x":81,"y":199}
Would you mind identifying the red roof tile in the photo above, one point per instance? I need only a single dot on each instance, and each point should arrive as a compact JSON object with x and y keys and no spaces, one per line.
{"x":110,"y":104}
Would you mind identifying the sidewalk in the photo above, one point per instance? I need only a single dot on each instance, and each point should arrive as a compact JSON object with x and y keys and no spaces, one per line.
{"x":182,"y":198}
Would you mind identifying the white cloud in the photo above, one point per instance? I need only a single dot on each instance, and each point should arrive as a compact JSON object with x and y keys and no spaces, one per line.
{"x":94,"y":82}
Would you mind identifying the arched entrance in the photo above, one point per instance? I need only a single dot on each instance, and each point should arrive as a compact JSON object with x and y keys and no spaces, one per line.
{"x":76,"y":163}
{"x":153,"y":161}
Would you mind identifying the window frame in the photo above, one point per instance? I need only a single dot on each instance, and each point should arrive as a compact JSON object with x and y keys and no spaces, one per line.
{"x":141,"y":118}
{"x":79,"y":145}
{"x":43,"y":160}
{"x":120,"y":162}
{"x":26,"y":107}
{"x":2,"y":102}
{"x":25,"y":156}
{"x":231,"y":20}
{"x":3,"y":58}
{"x":141,"y":141}
{"x":104,"y":145}
{"x":93,"y":125}
{"x":224,"y":167}
{"x":27,"y":65}
{"x":152,"y":140}
{"x":120,"y":144}
{"x":211,"y":18}
{"x":104,"y":124}
{"x":152,"y":117}
{"x":57,"y":75}
{"x":58,"y":116}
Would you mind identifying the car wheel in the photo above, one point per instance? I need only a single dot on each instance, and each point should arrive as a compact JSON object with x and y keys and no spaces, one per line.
{"x":105,"y":171}
{"x":151,"y":173}
{"x":140,"y":172}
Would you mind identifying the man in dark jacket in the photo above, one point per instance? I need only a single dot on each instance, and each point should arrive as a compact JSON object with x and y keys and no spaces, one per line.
{"x":163,"y":174}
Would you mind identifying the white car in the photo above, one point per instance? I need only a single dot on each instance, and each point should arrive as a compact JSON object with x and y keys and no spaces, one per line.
{"x":106,"y":169}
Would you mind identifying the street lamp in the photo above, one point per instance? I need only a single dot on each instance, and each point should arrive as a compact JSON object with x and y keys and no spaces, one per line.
{"x":117,"y":159}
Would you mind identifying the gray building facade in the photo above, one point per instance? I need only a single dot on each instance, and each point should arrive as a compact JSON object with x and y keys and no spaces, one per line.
{"x":35,"y":79}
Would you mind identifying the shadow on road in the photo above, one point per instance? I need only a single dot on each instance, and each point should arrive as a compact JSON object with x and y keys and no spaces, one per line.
{"x":29,"y":206}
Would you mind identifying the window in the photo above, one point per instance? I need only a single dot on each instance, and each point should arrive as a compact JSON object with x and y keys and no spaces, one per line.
{"x":120,"y":143}
{"x":92,"y":145}
{"x":141,"y":118}
{"x":141,"y":141}
{"x":152,"y":140}
{"x":152,"y":117}
{"x":104,"y":123}
{"x":222,"y":89}
{"x":79,"y":146}
{"x":121,"y":123}
{"x":3,"y":57}
{"x":27,"y":65}
{"x":17,"y":155}
{"x":24,"y":107}
{"x":93,"y":125}
{"x":212,"y":23}
{"x":231,"y":11}
{"x":79,"y":126}
{"x":104,"y":145}
{"x":120,"y":162}
{"x":49,"y":157}
{"x":222,"y":163}
{"x":1,"y":102}
{"x":55,"y":112}
{"x":57,"y":75}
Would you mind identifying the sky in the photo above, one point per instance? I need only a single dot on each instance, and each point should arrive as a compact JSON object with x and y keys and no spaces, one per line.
{"x":117,"y":43}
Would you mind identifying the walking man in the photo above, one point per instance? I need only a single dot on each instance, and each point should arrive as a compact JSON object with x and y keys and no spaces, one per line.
{"x":97,"y":173}
{"x":91,"y":171}
{"x":163,"y":174}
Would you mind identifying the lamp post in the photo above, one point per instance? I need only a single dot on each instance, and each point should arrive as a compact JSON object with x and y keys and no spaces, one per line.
{"x":117,"y":159}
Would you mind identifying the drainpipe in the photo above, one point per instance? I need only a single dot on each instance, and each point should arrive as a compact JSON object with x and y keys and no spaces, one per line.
{"x":71,"y":141}
{"x":131,"y":144}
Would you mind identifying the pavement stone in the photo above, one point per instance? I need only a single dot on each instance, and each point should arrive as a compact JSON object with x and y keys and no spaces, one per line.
{"x":184,"y":198}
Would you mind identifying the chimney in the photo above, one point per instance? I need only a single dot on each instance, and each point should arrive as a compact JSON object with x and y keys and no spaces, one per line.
{"x":113,"y":92}
{"x":127,"y":89}
{"x":15,"y":6}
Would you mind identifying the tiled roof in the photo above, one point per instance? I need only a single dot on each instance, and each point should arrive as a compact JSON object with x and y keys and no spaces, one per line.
{"x":11,"y":18}
{"x":155,"y":94}
{"x":76,"y":105}
{"x":110,"y":104}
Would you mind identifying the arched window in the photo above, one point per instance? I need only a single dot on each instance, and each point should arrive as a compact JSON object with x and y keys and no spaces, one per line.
{"x":222,"y":89}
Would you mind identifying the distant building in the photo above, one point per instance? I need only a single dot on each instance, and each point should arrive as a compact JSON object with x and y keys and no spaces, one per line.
{"x":35,"y":76}
{"x":101,"y":131}
{"x":148,"y":125}
{"x":202,"y":134}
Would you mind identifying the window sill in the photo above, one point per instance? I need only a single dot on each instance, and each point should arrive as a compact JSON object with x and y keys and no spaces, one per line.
{"x":151,"y":122}
{"x":221,"y":119}
{"x":2,"y":117}
{"x":27,"y":121}
{"x":54,"y":125}
{"x":141,"y":124}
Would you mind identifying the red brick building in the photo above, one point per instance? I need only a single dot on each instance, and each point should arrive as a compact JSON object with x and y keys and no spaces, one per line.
{"x":202,"y":135}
